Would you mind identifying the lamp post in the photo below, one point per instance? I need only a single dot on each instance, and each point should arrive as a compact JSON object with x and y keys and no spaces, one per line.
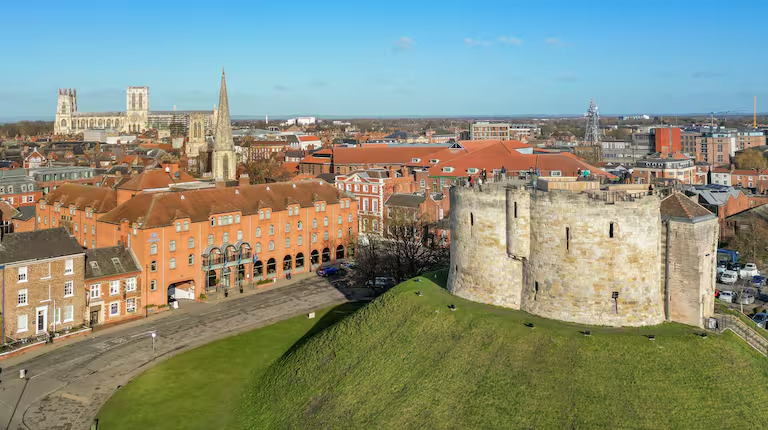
{"x":154,"y":336}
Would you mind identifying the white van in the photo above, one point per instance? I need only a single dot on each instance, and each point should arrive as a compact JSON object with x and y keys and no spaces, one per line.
{"x":729,"y":277}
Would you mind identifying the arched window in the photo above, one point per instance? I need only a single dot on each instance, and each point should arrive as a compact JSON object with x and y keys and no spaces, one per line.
{"x":191,"y":243}
{"x":271,"y":245}
{"x":186,"y":225}
{"x":298,"y":241}
{"x":172,"y":245}
{"x":290,"y":210}
{"x":153,"y":249}
{"x":339,"y":235}
{"x":210,"y":239}
{"x":239,"y":235}
{"x":339,"y":220}
{"x":258,"y":248}
{"x":298,"y":226}
{"x":287,"y":242}
{"x":191,"y":259}
{"x":63,"y":122}
{"x":314,"y":222}
{"x":325,"y":221}
{"x":349,"y":218}
{"x":287,"y":227}
{"x":178,"y":226}
{"x":258,"y":231}
{"x":325,"y":235}
{"x":314,"y":237}
{"x":271,"y":229}
{"x":153,"y":266}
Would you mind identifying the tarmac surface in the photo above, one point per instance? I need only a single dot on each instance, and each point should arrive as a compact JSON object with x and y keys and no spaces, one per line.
{"x":67,"y":383}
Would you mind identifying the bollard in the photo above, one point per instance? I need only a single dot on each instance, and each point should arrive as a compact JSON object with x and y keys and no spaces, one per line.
{"x":22,"y":373}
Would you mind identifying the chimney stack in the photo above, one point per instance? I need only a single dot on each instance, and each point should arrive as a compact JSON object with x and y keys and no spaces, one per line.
{"x":244,"y":180}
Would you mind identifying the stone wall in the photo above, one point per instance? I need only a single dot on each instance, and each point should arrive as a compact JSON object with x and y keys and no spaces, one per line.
{"x":692,"y":256}
{"x":480,"y":269}
{"x":576,"y":265}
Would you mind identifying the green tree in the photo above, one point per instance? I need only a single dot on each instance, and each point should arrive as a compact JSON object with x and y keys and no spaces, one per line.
{"x":750,"y":159}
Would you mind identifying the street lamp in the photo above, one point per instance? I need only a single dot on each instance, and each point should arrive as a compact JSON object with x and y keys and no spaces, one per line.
{"x":154,"y":336}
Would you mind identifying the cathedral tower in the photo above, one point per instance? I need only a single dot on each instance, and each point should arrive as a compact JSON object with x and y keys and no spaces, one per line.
{"x":137,"y":109}
{"x":66,"y":107}
{"x":196,"y":134}
{"x":224,"y":161}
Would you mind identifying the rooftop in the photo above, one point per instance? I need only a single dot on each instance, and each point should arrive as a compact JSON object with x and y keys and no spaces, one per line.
{"x":104,"y":262}
{"x":38,"y":245}
{"x":677,"y":205}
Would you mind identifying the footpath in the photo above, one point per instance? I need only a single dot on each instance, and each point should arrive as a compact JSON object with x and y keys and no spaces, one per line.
{"x":67,"y":383}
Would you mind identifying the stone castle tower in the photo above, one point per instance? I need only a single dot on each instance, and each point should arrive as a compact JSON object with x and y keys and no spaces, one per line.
{"x":66,"y":107}
{"x":224,"y":162}
{"x":570,"y":251}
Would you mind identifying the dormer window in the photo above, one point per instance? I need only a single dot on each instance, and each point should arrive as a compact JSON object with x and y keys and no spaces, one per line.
{"x":434,"y":161}
{"x":472,"y":170}
{"x":447,"y":169}
{"x":415,"y":160}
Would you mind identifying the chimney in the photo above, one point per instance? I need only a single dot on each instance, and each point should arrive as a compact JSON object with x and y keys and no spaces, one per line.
{"x":244,"y":180}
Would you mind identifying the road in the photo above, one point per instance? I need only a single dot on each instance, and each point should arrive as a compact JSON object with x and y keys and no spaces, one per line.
{"x":66,"y":386}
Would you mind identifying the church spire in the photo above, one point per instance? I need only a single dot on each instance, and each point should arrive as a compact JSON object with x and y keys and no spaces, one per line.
{"x":223,"y":134}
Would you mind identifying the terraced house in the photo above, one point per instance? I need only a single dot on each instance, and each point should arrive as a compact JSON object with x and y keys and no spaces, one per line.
{"x":226,"y":239}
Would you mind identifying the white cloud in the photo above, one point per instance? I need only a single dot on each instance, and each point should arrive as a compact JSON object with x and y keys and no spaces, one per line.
{"x":474,"y":42}
{"x":510,"y":40}
{"x":553,"y":41}
{"x":404,"y":43}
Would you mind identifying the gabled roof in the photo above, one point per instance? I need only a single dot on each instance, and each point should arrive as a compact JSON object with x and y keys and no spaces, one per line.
{"x":308,"y":138}
{"x":38,"y":245}
{"x":156,"y":178}
{"x":375,"y":154}
{"x":162,"y":208}
{"x":111,"y":261}
{"x":101,"y":199}
{"x":677,"y":205}
{"x":405,"y":200}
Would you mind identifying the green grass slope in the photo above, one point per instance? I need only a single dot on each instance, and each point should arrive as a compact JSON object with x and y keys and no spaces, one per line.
{"x":201,"y":388}
{"x":406,"y":361}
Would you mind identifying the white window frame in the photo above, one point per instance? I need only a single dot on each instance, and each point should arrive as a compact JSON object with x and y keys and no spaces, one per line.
{"x":69,"y":313}
{"x":117,"y":305}
{"x":22,"y":274}
{"x":130,"y":284}
{"x":69,"y":288}
{"x":22,"y":293}
{"x":114,"y":288}
{"x":95,"y":288}
{"x":19,"y":319}
{"x":130,"y":305}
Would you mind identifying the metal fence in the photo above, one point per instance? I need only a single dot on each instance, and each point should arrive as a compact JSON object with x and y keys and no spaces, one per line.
{"x":741,"y":329}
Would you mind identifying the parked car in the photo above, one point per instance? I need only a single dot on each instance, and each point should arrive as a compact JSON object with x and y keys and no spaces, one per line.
{"x":348,"y":264}
{"x":328,"y":271}
{"x":726,"y":296}
{"x":749,"y":271}
{"x":747,"y":297}
{"x":381,"y":282}
{"x":720,"y":269}
{"x":760,"y":319}
{"x":729,"y":277}
{"x":758,"y":281}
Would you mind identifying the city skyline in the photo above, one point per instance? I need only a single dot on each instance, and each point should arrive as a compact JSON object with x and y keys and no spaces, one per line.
{"x":411,"y":60}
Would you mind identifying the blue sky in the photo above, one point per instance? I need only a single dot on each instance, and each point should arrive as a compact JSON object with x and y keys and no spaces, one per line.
{"x":387,"y":57}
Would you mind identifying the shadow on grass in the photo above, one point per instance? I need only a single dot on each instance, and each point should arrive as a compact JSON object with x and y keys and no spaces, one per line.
{"x":330,"y":318}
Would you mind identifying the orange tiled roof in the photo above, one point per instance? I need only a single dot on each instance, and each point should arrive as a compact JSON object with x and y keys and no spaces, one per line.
{"x":382,"y":154}
{"x":678,"y":205}
{"x":291,"y":167}
{"x":308,"y":138}
{"x":745,"y":172}
{"x":155,"y":178}
{"x":101,"y":199}
{"x":161,"y":209}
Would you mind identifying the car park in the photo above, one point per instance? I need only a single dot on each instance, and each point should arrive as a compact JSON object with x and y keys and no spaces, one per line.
{"x":729,"y":277}
{"x":726,"y":296}
{"x":749,"y":271}
{"x":760,"y":319}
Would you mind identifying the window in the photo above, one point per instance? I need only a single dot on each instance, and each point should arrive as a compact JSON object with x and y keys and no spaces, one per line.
{"x":153,"y":285}
{"x":422,"y":183}
{"x":130,"y":285}
{"x":114,"y":288}
{"x":258,"y":231}
{"x":237,"y":218}
{"x":271,"y":229}
{"x":213,"y":222}
{"x":114,"y":309}
{"x":339,"y":234}
{"x":314,"y":223}
{"x":287,"y":242}
{"x":225,"y":237}
{"x":610,"y":230}
{"x":357,"y":187}
{"x":153,"y":249}
{"x":85,"y":230}
{"x":130,"y":305}
{"x":186,"y":225}
{"x":69,"y":313}
{"x":373,"y":188}
{"x":365,"y":188}
{"x":69,"y":267}
{"x":95,"y":291}
{"x":239,"y":235}
{"x":314,"y":237}
{"x":258,"y":248}
{"x":325,"y":235}
{"x":153,"y":266}
{"x":349,"y":187}
{"x":69,"y":288}
{"x":268,"y":214}
{"x":317,"y":207}
{"x":21,"y":323}
{"x":515,"y":209}
{"x":178,"y":226}
{"x":22,"y":274}
{"x":567,"y":238}
{"x":191,"y":243}
{"x":556,"y":173}
{"x":365,"y":205}
{"x":349,"y":218}
{"x":322,"y":207}
{"x":172,"y":263}
{"x":287,"y":228}
{"x":22,"y":298}
{"x":325,"y":221}
{"x":172,"y":245}
{"x":93,"y":229}
{"x":271,"y":245}
{"x":298,"y":226}
{"x":299,"y":241}
{"x":375,"y":204}
{"x":210,"y":239}
{"x":261,"y":214}
{"x":290,"y":210}
{"x":191,"y":259}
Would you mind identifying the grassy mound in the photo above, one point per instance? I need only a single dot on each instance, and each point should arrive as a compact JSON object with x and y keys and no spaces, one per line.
{"x":408,"y":361}
{"x":201,"y":388}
